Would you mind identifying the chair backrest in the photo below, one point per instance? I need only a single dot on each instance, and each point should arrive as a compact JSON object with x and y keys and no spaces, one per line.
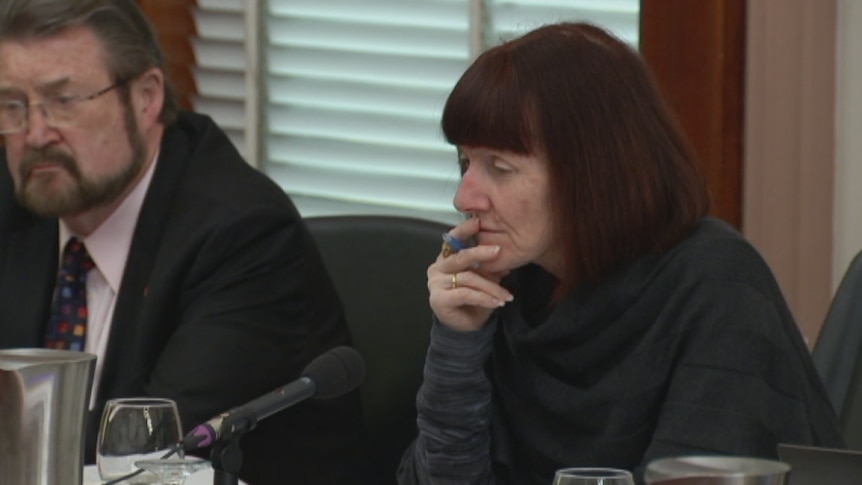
{"x":837,"y":355}
{"x":378,"y":265}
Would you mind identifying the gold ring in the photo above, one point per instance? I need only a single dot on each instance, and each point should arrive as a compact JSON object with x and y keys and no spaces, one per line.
{"x":455,"y":281}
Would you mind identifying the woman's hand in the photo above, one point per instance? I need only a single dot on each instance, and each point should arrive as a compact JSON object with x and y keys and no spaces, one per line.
{"x":461,"y":295}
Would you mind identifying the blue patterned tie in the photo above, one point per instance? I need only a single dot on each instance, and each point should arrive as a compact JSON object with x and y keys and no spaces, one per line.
{"x":67,"y":328}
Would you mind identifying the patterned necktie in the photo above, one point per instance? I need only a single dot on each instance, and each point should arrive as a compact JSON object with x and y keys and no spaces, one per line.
{"x":67,"y":328}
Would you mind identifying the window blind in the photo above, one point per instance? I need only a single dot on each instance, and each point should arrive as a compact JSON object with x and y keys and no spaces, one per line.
{"x":354,"y":95}
{"x":509,"y":18}
{"x":353,"y":91}
{"x":221,"y":52}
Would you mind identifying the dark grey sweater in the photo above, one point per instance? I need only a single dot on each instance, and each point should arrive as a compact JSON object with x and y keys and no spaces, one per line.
{"x":690,"y":352}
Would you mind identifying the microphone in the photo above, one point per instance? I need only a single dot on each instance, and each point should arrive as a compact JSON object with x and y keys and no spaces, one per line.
{"x":332,"y":374}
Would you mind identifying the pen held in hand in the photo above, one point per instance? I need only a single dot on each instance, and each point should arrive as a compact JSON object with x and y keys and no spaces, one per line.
{"x":451,"y":245}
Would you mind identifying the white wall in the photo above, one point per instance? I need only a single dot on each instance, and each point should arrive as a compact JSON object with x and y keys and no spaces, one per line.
{"x":789,"y":173}
{"x":848,"y":144}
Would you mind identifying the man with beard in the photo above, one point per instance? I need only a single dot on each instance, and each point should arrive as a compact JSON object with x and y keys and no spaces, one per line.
{"x":202,"y":283}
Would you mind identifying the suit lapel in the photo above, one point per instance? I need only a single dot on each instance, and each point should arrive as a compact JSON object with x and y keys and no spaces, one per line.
{"x":123,"y":366}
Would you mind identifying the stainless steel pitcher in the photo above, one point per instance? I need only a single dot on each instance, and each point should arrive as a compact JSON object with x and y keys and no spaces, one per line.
{"x":44,"y":397}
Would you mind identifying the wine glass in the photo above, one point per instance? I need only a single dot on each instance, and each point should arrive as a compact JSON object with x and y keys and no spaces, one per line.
{"x":134,"y":429}
{"x":593,"y":476}
{"x":173,"y":471}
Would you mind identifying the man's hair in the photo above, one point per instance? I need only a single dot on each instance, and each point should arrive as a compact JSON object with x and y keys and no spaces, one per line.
{"x":127,"y":36}
{"x":624,"y":180}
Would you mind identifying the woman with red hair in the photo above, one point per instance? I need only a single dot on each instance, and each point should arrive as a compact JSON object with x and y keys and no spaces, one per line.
{"x":600,"y":317}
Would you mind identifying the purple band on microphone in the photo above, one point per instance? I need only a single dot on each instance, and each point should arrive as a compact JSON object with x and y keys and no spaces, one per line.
{"x":204,"y":433}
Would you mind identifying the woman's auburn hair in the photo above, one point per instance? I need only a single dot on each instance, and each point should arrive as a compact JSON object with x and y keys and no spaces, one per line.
{"x":624,"y":180}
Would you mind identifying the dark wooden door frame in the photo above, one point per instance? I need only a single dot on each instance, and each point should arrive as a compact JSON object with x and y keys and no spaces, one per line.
{"x":696,"y":50}
{"x":176,"y":28}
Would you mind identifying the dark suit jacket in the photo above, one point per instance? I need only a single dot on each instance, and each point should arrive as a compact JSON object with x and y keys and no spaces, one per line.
{"x":224,"y":298}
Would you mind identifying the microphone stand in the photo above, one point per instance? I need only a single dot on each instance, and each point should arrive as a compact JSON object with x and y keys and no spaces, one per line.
{"x":341,"y":367}
{"x":226,"y":457}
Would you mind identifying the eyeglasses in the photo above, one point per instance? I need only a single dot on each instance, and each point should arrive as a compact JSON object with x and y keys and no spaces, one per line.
{"x":58,"y":111}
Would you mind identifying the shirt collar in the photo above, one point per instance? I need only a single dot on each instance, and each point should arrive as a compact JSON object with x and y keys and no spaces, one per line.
{"x":109,"y":244}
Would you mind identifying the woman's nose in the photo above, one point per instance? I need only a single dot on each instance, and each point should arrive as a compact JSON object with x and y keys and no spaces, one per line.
{"x":471,"y":196}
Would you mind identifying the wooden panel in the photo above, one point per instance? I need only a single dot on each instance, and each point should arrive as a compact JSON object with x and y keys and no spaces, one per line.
{"x":696,"y":49}
{"x":175,"y":25}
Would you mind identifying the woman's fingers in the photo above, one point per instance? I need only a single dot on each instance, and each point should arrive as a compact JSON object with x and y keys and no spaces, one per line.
{"x":460,"y":294}
{"x":466,"y":229}
{"x":474,"y":282}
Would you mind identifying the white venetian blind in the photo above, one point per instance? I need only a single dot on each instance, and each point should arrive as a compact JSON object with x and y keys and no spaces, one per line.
{"x":353,"y":90}
{"x":509,"y":18}
{"x":222,"y":63}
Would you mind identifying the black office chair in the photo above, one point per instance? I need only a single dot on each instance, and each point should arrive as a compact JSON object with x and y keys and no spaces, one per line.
{"x":837,"y":353}
{"x":378,"y":265}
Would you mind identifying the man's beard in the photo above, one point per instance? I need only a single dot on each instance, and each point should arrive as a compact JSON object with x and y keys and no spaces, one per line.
{"x":83,"y":194}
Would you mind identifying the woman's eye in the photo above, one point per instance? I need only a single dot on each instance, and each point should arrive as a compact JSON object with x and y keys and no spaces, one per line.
{"x":502,"y":167}
{"x":464,"y":163}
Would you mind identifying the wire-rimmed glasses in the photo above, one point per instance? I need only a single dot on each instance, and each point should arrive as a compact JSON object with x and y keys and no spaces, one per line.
{"x":58,"y":111}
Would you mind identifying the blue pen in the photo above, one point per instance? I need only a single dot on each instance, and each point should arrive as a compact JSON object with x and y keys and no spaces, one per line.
{"x":451,"y":245}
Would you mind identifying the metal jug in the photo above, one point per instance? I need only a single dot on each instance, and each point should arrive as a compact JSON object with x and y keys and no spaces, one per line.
{"x":716,"y":470}
{"x":44,"y":397}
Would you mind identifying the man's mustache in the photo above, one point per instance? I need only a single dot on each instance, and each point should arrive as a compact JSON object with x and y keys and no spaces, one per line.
{"x":37,"y":156}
